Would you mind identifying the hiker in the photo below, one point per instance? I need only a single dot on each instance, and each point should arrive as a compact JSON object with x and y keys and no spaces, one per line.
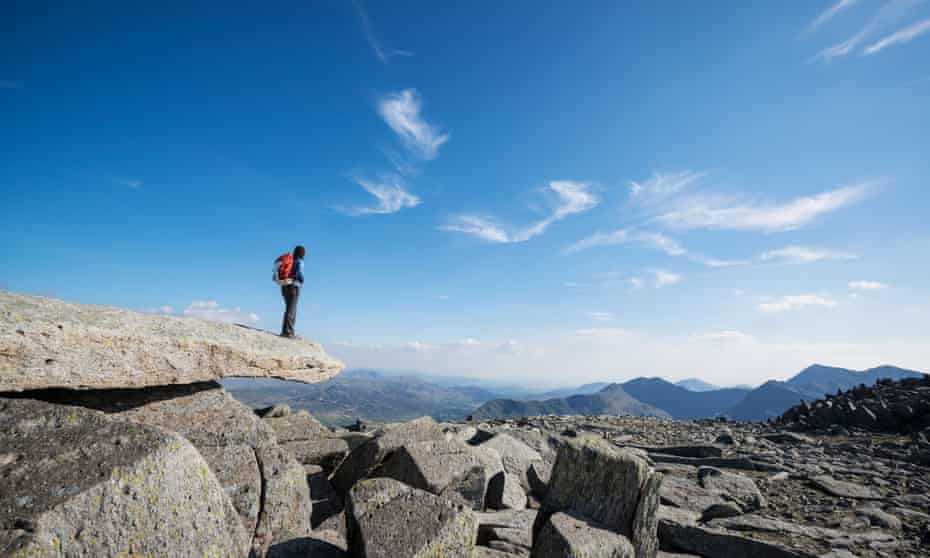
{"x":289,"y":273}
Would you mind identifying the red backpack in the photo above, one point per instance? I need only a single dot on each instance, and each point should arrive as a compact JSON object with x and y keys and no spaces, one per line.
{"x":283,"y":268}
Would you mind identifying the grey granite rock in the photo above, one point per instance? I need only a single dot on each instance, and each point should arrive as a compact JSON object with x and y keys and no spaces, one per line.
{"x":447,"y":467}
{"x":737,"y":487}
{"x":388,"y":519}
{"x":77,"y":483}
{"x":286,"y":506}
{"x":598,"y":481}
{"x":565,"y":536}
{"x":47,"y":343}
{"x":364,"y":458}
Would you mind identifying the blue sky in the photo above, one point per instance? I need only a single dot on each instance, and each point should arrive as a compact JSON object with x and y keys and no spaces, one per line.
{"x":540,"y":192}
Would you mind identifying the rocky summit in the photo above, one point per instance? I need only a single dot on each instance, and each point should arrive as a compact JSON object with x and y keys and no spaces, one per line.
{"x":123,"y":459}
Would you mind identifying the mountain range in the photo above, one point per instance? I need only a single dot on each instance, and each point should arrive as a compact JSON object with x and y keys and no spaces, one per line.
{"x":379,"y":396}
{"x":764,"y":402}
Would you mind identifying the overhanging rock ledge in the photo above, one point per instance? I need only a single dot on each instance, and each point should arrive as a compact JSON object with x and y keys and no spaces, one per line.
{"x":50,"y":343}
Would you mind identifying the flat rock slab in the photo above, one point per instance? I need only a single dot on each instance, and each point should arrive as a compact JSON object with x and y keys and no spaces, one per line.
{"x":48,"y":343}
{"x":74,"y":482}
{"x":844,"y":489}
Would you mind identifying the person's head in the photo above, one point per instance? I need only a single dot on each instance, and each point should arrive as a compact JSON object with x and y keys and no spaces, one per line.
{"x":299,"y":252}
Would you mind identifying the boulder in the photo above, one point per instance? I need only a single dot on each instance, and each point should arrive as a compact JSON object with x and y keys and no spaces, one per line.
{"x":388,"y":519}
{"x":605,"y":485}
{"x":447,"y":467}
{"x":286,"y":507}
{"x":734,"y":486}
{"x":537,"y":477}
{"x":225,"y":432}
{"x":49,"y":343}
{"x":75,"y":482}
{"x":516,"y":455}
{"x":361,"y":460}
{"x":296,"y":426}
{"x":565,"y":536}
{"x":325,"y":502}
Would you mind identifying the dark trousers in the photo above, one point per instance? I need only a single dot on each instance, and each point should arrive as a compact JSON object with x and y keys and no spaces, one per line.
{"x":290,"y":293}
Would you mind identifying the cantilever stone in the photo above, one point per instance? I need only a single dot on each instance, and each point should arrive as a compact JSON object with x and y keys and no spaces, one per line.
{"x":48,"y":343}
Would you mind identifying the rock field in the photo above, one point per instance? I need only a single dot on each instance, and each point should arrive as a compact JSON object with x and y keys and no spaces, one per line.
{"x":180,"y":468}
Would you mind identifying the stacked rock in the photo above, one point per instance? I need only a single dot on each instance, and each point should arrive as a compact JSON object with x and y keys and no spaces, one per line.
{"x":116,"y":440}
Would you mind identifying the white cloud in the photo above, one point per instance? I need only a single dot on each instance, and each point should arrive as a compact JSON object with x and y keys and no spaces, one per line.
{"x":889,"y":13}
{"x":804,"y":255}
{"x":830,"y":13}
{"x":713,"y":262}
{"x":442,"y":297}
{"x":867,"y":285}
{"x":723,"y":214}
{"x":663,"y":278}
{"x":572,"y":198}
{"x":600,"y":316}
{"x":624,"y":236}
{"x":575,"y":285}
{"x":210,"y":310}
{"x":636,"y":283}
{"x":401,"y":111}
{"x":383,"y":53}
{"x":899,"y":37}
{"x":796,"y":302}
{"x":728,"y":336}
{"x":617,"y":355}
{"x":391,"y":194}
{"x":661,"y":186}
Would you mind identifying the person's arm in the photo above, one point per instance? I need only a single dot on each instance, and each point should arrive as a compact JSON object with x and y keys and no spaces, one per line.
{"x":300,"y":271}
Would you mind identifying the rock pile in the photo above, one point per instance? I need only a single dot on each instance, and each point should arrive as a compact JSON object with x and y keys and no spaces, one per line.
{"x":734,"y":490}
{"x":888,"y":406}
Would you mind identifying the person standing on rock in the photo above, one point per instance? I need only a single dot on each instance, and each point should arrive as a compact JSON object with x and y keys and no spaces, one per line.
{"x":289,"y":273}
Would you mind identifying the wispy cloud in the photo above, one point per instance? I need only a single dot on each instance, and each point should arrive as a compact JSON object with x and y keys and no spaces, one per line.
{"x":389,"y":191}
{"x":401,"y":111}
{"x":572,"y":197}
{"x":867,"y":285}
{"x":383,"y":53}
{"x":600,"y":316}
{"x":625,"y":236}
{"x":796,"y":302}
{"x":211,"y":310}
{"x":662,"y":186}
{"x":714,"y":212}
{"x":656,"y":241}
{"x":804,"y":255}
{"x":888,"y":14}
{"x":830,"y":13}
{"x":905,"y":35}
